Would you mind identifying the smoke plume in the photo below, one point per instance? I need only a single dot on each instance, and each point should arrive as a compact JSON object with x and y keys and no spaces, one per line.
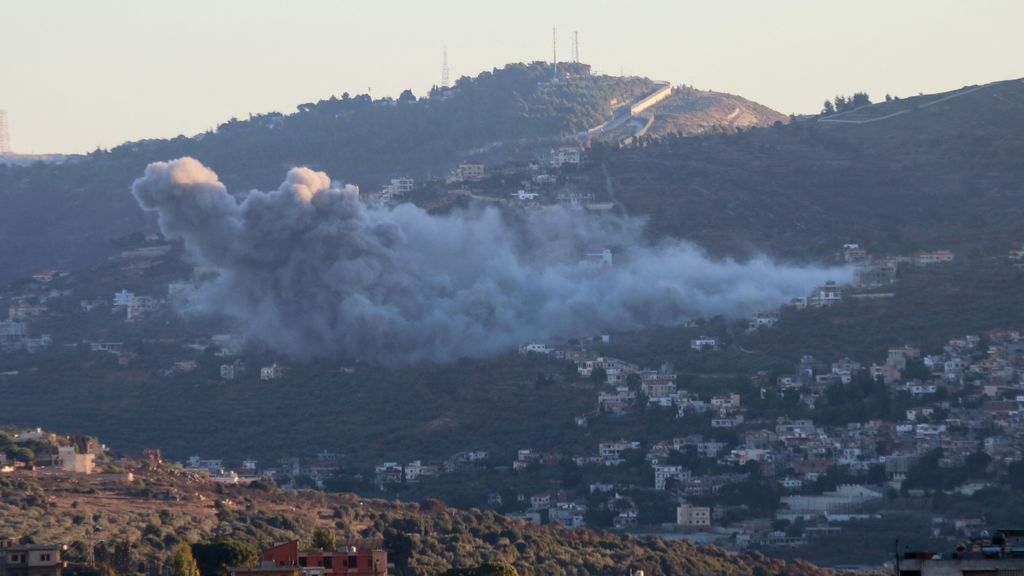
{"x":310,"y":271}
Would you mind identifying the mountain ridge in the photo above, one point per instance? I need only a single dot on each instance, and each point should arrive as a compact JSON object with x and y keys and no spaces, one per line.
{"x":356,"y":139}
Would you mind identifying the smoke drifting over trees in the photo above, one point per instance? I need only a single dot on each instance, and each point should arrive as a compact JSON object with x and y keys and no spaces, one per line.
{"x":310,"y":271}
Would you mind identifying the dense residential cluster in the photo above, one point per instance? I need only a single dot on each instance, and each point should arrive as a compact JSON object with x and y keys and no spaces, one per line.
{"x":963,"y":404}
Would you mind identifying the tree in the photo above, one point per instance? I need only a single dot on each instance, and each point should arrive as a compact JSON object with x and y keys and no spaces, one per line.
{"x":634,"y":382}
{"x":828,"y":108}
{"x":859,"y":99}
{"x":406,"y":96}
{"x":324,"y":539}
{"x":183,"y":564}
{"x":1015,"y":475}
{"x":977,"y":464}
{"x":122,"y":561}
{"x":489,"y":569}
{"x":214,"y":558}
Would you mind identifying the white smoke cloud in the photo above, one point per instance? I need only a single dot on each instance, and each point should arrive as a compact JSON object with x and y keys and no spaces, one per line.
{"x":311,"y":271}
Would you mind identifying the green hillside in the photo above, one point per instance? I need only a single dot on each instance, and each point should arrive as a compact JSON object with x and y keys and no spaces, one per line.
{"x":925,"y":172}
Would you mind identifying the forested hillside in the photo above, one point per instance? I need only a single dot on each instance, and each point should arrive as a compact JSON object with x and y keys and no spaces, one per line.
{"x":937,"y":171}
{"x":64,"y":215}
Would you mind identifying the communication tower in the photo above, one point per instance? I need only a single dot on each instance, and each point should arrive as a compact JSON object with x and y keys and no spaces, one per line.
{"x":5,"y":134}
{"x":444,"y":69}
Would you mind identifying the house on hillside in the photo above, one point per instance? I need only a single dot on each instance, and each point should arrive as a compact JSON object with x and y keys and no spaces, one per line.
{"x":704,"y":343}
{"x":467,"y":172}
{"x":565,"y":155}
{"x":272,"y":372}
{"x":923,"y":258}
{"x":763,"y":319}
{"x":72,"y":461}
{"x":874,"y":275}
{"x":826,"y":295}
{"x":350,"y":560}
{"x":853,"y":253}
{"x":30,"y":559}
{"x":525,"y":196}
{"x":689,"y":516}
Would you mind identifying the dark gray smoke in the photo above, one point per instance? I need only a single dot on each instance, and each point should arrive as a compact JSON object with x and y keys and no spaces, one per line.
{"x":311,"y":271}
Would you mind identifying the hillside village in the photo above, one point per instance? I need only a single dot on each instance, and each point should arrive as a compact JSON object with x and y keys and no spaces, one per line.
{"x":787,"y":461}
{"x":820,"y":465}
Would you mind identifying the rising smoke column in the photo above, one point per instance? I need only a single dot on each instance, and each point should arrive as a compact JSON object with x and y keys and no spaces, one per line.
{"x":311,"y":271}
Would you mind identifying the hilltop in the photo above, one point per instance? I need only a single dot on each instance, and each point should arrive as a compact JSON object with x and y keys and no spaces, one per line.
{"x":688,"y":111}
{"x":162,"y":506}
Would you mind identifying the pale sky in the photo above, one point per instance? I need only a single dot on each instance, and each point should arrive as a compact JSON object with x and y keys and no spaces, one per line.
{"x":75,"y":75}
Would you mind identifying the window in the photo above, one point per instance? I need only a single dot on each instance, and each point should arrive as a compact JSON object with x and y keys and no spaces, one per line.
{"x":44,"y":557}
{"x":302,"y":561}
{"x":328,"y":561}
{"x":353,"y":562}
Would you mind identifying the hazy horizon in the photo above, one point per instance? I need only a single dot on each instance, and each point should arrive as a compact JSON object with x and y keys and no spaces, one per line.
{"x":100,"y":77}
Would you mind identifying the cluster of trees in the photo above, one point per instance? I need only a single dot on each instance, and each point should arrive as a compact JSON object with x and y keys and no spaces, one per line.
{"x":26,"y":451}
{"x":929,"y":473}
{"x":430,"y":542}
{"x":843,"y":103}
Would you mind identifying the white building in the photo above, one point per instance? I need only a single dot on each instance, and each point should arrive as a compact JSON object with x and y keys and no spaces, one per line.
{"x":123,"y":298}
{"x":467,"y":173}
{"x":535,"y":348}
{"x":842,"y":499}
{"x":524,"y":196}
{"x":703,"y":343}
{"x":398,"y":187}
{"x":565,"y":155}
{"x":662,"y":473}
{"x":613,"y":450}
{"x":272,"y":372}
{"x":764,"y":319}
{"x":828,"y":294}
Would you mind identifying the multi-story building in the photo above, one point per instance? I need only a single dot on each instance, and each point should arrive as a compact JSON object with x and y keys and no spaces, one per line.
{"x":467,"y":172}
{"x":693,"y":516}
{"x":348,"y":560}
